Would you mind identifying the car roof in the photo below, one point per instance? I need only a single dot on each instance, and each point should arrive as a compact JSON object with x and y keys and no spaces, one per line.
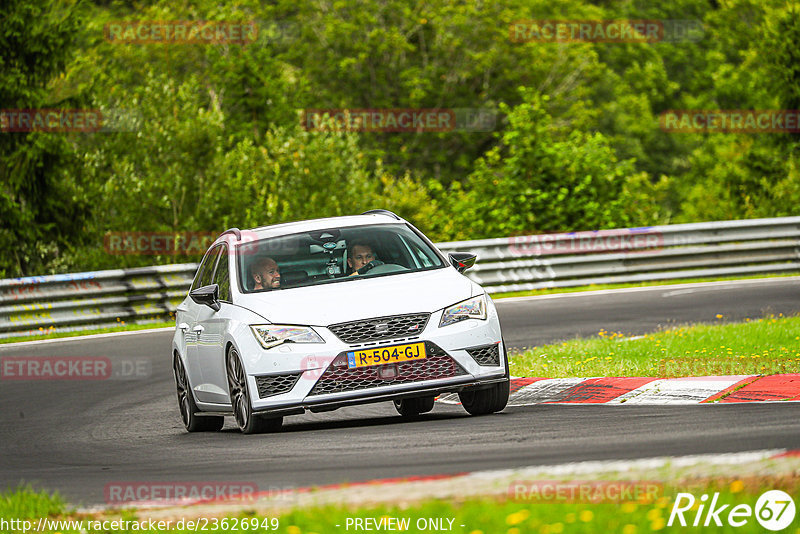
{"x":276,"y":230}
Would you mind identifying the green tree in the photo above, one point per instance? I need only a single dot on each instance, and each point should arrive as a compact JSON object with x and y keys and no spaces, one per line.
{"x":41,"y":207}
{"x":541,"y":178}
{"x":734,"y":176}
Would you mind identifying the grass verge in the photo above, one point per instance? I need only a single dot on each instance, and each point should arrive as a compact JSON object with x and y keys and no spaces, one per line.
{"x":765,"y":346}
{"x":543,"y":516}
{"x":552,"y":512}
{"x":598,"y":287}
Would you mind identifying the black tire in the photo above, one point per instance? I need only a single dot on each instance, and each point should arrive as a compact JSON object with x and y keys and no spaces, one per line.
{"x":187,"y":406}
{"x":485,"y":401}
{"x":414,"y":406}
{"x":246,"y":420}
{"x":489,"y":400}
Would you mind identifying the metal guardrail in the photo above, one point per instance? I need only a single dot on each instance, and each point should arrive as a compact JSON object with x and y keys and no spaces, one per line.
{"x":38,"y":304}
{"x":33,"y":305}
{"x":696,"y":250}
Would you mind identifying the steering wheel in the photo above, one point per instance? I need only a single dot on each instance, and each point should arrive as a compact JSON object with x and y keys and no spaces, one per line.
{"x":368,"y":267}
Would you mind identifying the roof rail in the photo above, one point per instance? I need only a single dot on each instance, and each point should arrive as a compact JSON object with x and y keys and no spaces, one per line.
{"x":382,"y":212}
{"x":234,"y":231}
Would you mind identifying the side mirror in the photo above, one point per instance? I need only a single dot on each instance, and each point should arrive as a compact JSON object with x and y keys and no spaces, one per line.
{"x":208,"y":295}
{"x":462,"y":260}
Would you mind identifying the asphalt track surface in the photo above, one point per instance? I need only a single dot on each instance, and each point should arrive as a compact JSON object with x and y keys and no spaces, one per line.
{"x":77,"y":437}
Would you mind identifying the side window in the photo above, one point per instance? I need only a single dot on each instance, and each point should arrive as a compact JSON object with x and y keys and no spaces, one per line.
{"x":420,"y":258}
{"x":222,"y":276}
{"x":206,"y":268}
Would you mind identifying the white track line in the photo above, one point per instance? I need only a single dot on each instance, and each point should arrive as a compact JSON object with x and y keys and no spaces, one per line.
{"x":89,"y":337}
{"x":665,"y":287}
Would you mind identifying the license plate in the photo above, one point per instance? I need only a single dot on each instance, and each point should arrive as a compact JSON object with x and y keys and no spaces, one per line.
{"x":383,"y":355}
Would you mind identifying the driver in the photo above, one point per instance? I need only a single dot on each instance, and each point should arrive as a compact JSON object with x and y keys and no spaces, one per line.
{"x":265,"y":274}
{"x":358,"y":255}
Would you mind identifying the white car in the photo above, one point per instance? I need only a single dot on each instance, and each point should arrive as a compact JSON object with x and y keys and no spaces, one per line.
{"x":320,"y":314}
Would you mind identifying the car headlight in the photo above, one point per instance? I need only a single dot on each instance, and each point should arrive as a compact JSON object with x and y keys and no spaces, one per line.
{"x":473,"y":308}
{"x":272,"y":335}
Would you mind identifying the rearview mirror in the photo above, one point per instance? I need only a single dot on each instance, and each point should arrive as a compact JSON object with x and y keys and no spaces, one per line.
{"x":208,"y":295}
{"x":462,"y":260}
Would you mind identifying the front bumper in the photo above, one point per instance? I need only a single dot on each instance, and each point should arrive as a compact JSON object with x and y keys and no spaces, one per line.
{"x":292,"y":378}
{"x":366,"y":397}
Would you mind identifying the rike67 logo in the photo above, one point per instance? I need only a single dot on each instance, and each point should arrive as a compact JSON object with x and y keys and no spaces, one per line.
{"x":774,"y":510}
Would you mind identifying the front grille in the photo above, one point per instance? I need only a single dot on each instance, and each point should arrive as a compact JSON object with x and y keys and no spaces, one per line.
{"x":270,"y":385}
{"x":338,"y":377}
{"x":486,"y":355}
{"x":391,"y":327}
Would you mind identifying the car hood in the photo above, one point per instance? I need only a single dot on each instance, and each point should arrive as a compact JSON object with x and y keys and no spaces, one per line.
{"x":338,"y":302}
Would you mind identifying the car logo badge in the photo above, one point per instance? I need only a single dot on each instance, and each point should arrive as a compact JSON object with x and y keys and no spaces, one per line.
{"x":381,"y":328}
{"x":414,"y":327}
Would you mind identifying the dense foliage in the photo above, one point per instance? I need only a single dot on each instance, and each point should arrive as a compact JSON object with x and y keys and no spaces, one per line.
{"x":212,"y":134}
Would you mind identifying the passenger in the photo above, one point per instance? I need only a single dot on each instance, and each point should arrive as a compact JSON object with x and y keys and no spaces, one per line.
{"x":265,"y":274}
{"x":359,"y":254}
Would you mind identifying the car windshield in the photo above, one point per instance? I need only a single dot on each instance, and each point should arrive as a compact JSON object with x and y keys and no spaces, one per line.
{"x":333,"y":255}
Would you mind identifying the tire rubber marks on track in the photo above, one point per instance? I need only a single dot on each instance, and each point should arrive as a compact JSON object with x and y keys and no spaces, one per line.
{"x":768,"y":388}
{"x":519,"y":383}
{"x":648,"y":390}
{"x":601,"y":390}
{"x":541,"y":391}
{"x":690,"y":390}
